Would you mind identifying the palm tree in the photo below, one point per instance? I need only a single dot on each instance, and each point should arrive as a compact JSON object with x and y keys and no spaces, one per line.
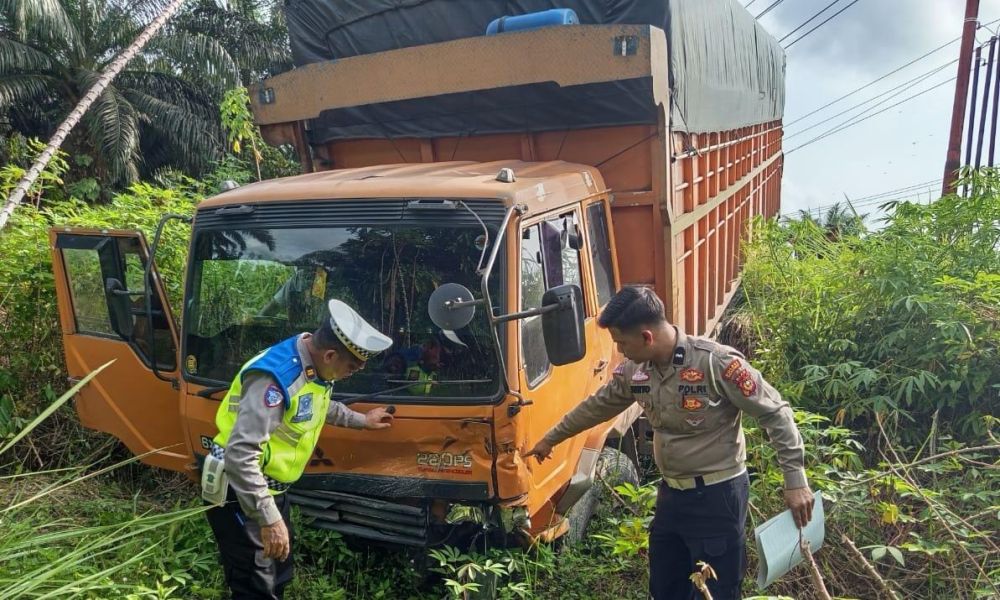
{"x":839,"y":221}
{"x":161,"y":110}
{"x":253,"y":32}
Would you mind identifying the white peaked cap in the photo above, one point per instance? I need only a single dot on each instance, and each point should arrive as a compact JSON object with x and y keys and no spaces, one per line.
{"x":363,"y":340}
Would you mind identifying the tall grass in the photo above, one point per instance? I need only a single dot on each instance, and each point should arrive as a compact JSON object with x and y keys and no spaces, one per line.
{"x":45,"y":555}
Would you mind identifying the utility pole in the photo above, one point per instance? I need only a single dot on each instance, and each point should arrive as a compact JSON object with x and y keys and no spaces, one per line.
{"x":954,"y":158}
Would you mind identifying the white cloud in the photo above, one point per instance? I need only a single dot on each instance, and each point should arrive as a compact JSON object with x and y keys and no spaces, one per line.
{"x":902,"y":146}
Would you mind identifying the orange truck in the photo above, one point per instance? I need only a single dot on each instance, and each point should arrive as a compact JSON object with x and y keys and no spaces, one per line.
{"x":478,"y":198}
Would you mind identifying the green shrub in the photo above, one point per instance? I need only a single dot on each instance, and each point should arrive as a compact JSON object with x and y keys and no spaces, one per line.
{"x":903,"y":321}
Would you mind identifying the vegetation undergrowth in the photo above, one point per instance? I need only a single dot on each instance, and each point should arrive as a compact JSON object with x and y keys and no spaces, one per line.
{"x":886,"y":343}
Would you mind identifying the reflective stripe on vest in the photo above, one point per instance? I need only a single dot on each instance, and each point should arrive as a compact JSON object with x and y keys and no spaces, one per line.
{"x":285,"y":455}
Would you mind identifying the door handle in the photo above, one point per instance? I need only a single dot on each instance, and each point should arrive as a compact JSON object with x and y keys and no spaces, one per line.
{"x":601,"y":364}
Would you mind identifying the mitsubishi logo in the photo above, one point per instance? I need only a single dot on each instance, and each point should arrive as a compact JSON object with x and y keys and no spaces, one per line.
{"x":320,"y":459}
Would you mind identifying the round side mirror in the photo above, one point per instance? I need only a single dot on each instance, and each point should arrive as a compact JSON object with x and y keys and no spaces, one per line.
{"x":451,"y":306}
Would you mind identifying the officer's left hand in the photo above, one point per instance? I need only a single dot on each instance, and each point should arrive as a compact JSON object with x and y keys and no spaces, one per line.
{"x":378,"y":418}
{"x":800,"y":502}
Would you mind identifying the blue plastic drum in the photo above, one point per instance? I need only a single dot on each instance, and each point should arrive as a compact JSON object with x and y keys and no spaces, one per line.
{"x":535,"y":20}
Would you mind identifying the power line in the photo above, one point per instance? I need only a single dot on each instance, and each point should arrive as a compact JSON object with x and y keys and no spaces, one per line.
{"x":847,"y":124}
{"x":890,"y":73}
{"x":902,"y":194}
{"x":879,"y":201}
{"x":789,"y":34}
{"x":873,"y":106}
{"x":922,"y":184}
{"x":747,"y":5}
{"x":768,"y":9}
{"x":908,"y":84}
{"x":827,"y":20}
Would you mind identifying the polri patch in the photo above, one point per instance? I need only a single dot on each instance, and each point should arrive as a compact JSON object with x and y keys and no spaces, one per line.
{"x":305,"y":409}
{"x":640,"y":375}
{"x":310,"y":372}
{"x":692,"y":375}
{"x":685,"y":389}
{"x":273,"y":396}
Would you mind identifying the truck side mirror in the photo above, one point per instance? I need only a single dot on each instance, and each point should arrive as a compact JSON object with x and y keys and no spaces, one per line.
{"x":119,"y":308}
{"x":562,"y":328}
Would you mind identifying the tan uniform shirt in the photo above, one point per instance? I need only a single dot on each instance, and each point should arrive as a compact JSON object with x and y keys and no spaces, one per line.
{"x":694,"y":407}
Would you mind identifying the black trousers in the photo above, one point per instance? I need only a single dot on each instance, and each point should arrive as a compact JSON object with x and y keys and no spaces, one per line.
{"x":248,"y":574}
{"x":702,"y":524}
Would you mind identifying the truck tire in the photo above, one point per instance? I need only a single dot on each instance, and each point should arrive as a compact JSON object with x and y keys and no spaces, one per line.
{"x":613,"y":468}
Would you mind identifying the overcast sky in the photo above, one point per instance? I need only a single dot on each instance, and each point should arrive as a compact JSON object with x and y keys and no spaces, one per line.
{"x":903,"y":146}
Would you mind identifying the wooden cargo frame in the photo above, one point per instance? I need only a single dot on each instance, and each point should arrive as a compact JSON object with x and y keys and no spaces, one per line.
{"x":683,"y":203}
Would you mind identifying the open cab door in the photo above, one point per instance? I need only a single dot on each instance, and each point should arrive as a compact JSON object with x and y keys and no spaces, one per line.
{"x":103,"y":312}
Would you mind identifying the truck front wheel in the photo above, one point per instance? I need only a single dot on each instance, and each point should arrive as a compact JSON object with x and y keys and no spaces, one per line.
{"x":613,"y":468}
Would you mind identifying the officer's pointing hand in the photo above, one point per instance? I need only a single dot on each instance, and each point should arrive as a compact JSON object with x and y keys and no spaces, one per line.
{"x":378,"y":418}
{"x":275,"y":538}
{"x":800,"y":502}
{"x":541,"y":451}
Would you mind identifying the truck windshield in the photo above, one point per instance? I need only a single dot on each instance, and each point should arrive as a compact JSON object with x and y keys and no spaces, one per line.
{"x":251,"y":288}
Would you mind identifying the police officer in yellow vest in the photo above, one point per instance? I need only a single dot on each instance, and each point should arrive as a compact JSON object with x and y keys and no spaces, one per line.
{"x":694,"y":392}
{"x":269,"y":423}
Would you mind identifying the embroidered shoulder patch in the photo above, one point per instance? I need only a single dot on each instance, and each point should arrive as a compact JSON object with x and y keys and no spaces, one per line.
{"x":273,"y":396}
{"x":746,"y":383}
{"x":695,"y":422}
{"x":619,"y":370}
{"x":640,"y":375}
{"x":732,"y":369}
{"x":692,"y":375}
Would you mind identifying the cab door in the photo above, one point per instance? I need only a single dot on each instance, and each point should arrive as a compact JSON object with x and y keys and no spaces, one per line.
{"x":102,"y":309}
{"x":548,"y":258}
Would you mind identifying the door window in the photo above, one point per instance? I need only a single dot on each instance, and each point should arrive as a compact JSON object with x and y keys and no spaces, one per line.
{"x":600,"y":252}
{"x":91,"y":262}
{"x":549,"y":258}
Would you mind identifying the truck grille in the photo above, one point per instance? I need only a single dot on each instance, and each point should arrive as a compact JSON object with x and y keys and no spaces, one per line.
{"x":364,"y":517}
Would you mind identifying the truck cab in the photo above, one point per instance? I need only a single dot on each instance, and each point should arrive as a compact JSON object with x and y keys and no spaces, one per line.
{"x":264,"y":260}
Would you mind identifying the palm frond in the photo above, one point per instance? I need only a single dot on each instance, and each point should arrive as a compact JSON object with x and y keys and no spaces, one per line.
{"x":21,"y":88}
{"x":198,"y":54}
{"x":172,"y":89}
{"x":247,"y":31}
{"x":45,"y":19}
{"x":17,"y":56}
{"x":114,"y":32}
{"x":113,"y":127}
{"x":197,"y":136}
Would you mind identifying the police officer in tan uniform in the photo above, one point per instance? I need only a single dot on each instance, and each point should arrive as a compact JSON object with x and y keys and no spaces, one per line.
{"x":693,"y":391}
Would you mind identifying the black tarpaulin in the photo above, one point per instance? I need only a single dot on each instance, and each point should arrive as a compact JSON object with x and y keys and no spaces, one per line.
{"x":726,"y":71}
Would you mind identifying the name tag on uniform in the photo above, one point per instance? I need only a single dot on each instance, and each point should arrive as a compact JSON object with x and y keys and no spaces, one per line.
{"x":305,"y":411}
{"x":640,"y":389}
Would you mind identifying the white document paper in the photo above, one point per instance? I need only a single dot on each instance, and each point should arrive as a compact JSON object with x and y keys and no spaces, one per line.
{"x":778,"y":543}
